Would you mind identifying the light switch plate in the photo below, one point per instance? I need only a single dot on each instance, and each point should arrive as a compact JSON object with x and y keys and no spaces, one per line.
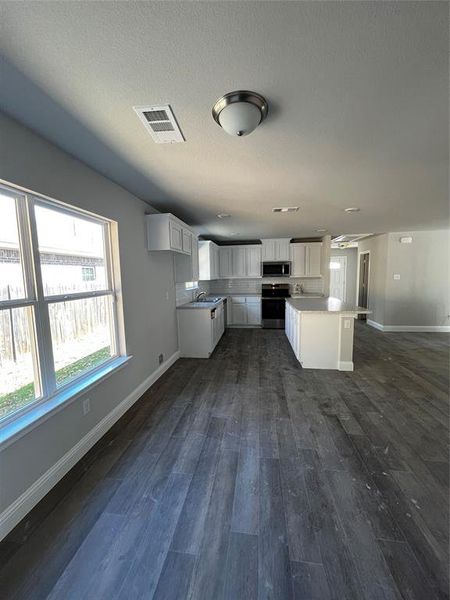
{"x":396,"y":276}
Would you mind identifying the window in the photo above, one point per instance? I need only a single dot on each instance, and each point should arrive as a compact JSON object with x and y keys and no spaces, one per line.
{"x":55,"y":325}
{"x":191,"y":285}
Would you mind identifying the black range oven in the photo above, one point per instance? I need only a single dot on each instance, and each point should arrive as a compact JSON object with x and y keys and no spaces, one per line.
{"x":273,"y":304}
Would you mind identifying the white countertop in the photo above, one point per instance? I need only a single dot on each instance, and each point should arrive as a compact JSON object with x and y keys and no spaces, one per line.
{"x":204,"y":304}
{"x":307,"y":295}
{"x":325,"y":306}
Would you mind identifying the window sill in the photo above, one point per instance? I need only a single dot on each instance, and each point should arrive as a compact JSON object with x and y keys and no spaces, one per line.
{"x":14,"y":429}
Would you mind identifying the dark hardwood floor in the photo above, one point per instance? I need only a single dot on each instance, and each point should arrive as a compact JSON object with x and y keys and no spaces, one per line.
{"x":244,"y":476}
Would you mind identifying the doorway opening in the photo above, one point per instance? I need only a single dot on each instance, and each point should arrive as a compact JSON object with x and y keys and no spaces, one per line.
{"x":363,"y":285}
{"x":338,"y":277}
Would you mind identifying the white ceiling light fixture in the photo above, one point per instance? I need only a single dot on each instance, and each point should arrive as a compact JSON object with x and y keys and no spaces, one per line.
{"x":223,"y":216}
{"x":352,"y":209}
{"x":321,"y":230}
{"x":239,"y":113}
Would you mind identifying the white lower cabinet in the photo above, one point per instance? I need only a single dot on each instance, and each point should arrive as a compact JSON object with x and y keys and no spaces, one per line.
{"x":292,"y":328}
{"x":238,"y":314}
{"x":199,"y":330}
{"x":244,"y":310}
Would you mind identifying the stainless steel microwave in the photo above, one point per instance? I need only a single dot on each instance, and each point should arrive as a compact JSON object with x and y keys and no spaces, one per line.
{"x":276,"y":269}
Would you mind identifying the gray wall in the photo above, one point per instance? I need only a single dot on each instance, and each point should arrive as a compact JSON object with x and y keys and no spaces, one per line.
{"x":150,"y":323}
{"x":352,"y":268}
{"x":421,"y":296}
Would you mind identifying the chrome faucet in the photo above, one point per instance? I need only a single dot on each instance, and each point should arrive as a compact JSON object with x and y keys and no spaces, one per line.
{"x":199,"y":295}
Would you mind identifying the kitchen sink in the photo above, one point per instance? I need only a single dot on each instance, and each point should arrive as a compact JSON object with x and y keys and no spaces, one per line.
{"x":210,"y":299}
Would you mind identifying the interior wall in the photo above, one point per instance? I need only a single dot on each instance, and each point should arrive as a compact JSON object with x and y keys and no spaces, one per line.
{"x":352,"y":270}
{"x":418,"y":296}
{"x":421,"y":295}
{"x":148,"y":298}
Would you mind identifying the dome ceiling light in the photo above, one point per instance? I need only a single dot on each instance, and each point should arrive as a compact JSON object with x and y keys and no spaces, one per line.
{"x":239,"y":113}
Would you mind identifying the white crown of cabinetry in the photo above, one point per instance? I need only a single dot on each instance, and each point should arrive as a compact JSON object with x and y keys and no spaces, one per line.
{"x":276,"y":249}
{"x":167,"y":232}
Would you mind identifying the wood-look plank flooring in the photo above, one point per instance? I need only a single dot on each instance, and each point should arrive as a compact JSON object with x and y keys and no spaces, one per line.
{"x":244,"y":476}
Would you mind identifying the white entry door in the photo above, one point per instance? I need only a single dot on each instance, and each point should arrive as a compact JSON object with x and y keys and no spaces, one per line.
{"x":338,"y":277}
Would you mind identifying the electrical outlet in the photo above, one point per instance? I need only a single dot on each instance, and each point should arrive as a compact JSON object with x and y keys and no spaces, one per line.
{"x":347,"y":323}
{"x":161,"y":359}
{"x":86,"y":406}
{"x":396,"y":276}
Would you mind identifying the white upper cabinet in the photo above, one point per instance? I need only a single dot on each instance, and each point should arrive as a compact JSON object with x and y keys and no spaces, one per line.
{"x":225,"y":262}
{"x":209,"y":260}
{"x":187,"y":265}
{"x":275,"y":249}
{"x":253,"y":261}
{"x":187,"y":241}
{"x":167,"y":232}
{"x":240,"y":261}
{"x":176,"y":236}
{"x":306,"y":259}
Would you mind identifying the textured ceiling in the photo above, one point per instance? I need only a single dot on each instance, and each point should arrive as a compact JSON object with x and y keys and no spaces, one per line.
{"x":358,"y":95}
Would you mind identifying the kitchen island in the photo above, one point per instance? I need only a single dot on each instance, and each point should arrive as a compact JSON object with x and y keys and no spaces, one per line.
{"x":320,"y":331}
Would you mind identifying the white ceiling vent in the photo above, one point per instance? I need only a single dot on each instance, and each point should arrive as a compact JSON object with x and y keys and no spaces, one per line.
{"x":160,"y":122}
{"x":285,"y":209}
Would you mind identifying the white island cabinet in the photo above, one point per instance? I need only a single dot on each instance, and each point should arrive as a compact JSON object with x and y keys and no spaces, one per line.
{"x":320,"y":331}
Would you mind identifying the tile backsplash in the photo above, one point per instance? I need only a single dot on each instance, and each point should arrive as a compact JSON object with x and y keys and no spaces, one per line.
{"x":242,"y":286}
{"x":183,"y":295}
{"x":223,"y":286}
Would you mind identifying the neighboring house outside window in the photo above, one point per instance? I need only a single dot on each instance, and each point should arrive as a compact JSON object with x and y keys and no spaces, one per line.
{"x":58,"y":306}
{"x":88,"y":273}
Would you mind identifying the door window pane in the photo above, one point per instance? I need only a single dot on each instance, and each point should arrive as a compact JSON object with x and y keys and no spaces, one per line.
{"x":72,"y":252}
{"x":18,"y":381}
{"x":81,"y":335}
{"x":11,"y":273}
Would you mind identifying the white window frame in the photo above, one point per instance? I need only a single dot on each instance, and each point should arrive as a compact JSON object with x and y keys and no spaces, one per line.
{"x":46,"y":388}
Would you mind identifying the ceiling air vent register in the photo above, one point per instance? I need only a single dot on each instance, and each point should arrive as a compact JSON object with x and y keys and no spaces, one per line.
{"x":161,"y":124}
{"x":285,"y":209}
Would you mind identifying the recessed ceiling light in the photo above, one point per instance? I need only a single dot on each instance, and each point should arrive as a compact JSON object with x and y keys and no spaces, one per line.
{"x":321,"y":230}
{"x":285,"y":209}
{"x":352,"y":209}
{"x":223,"y":215}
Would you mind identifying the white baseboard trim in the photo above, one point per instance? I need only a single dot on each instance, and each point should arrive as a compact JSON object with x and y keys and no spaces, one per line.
{"x":375,"y":325}
{"x":345,"y":365}
{"x":410,"y":328}
{"x":15,"y":512}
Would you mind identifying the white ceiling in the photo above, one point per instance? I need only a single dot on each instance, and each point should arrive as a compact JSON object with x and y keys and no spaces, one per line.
{"x":358,"y":95}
